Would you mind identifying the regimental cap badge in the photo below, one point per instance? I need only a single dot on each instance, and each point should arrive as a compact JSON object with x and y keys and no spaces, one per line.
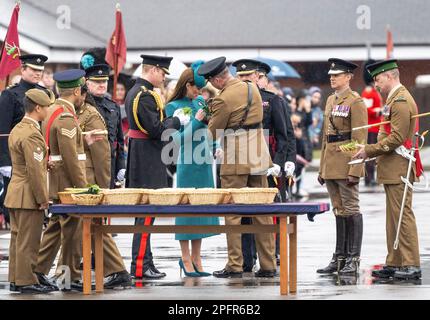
{"x":332,"y":65}
{"x":243,"y":66}
{"x":100,"y":72}
{"x":39,"y":60}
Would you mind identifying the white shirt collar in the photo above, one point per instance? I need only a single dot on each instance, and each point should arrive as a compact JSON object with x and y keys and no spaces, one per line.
{"x":394,"y":90}
{"x":35,"y":122}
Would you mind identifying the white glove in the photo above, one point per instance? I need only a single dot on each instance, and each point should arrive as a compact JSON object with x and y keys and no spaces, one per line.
{"x":6,"y":171}
{"x":289,"y":168}
{"x":121,"y":175}
{"x":183,"y":118}
{"x":219,"y":153}
{"x":274,"y":171}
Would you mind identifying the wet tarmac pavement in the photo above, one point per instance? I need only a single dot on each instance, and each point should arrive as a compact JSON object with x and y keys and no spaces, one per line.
{"x":315,"y":247}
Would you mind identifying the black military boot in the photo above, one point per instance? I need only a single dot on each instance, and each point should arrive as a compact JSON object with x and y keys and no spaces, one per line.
{"x":338,"y":260}
{"x":354,"y":229}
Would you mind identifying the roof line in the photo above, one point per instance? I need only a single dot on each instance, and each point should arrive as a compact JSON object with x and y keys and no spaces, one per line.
{"x":277,"y":47}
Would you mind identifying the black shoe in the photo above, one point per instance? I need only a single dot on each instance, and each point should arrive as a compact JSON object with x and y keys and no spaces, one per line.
{"x":385,"y":273}
{"x":224,"y":273}
{"x":335,"y":264}
{"x":13,"y":287}
{"x":265,"y":273}
{"x":155,"y":270}
{"x":118,"y":280}
{"x":43,"y":280}
{"x":34,"y":289}
{"x":406,"y":273}
{"x":352,"y":266}
{"x":150,"y":274}
{"x":278,"y":260}
{"x":78,"y":286}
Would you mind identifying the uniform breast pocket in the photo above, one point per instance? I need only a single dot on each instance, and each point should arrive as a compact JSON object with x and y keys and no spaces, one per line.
{"x":346,"y":123}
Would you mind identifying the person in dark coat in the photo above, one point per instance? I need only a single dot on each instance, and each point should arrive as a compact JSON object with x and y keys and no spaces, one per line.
{"x":12,"y":112}
{"x":145,"y":167}
{"x":97,"y":79}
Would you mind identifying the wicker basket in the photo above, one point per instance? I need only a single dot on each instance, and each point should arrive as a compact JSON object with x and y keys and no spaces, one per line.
{"x":227,"y":196}
{"x":207,"y":196}
{"x":66,"y":197}
{"x":185,"y":199}
{"x":166,"y":196}
{"x":76,"y":190}
{"x":87,"y":199}
{"x":122,"y":196}
{"x":253,"y":195}
{"x":145,"y":196}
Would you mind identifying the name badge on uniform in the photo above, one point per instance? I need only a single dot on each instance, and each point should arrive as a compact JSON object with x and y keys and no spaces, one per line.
{"x":340,"y":111}
{"x":386,"y":111}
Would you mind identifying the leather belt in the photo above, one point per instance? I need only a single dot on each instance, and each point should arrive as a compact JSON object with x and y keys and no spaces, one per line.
{"x":248,"y":127}
{"x":81,"y":157}
{"x":338,"y":137}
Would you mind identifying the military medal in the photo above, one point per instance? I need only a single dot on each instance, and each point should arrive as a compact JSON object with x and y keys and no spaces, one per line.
{"x":386,"y":111}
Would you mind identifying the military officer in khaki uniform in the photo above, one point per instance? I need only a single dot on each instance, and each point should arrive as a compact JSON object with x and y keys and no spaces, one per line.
{"x":64,"y":139}
{"x":344,"y":110}
{"x":246,"y":156}
{"x":28,"y":195}
{"x":403,"y":263}
{"x":98,"y":172}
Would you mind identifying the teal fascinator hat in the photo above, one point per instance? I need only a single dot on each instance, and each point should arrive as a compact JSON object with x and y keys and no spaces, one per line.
{"x":199,"y":80}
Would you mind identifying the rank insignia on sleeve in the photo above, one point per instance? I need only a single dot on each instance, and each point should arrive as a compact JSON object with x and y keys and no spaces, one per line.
{"x":68,"y":133}
{"x":38,"y":156}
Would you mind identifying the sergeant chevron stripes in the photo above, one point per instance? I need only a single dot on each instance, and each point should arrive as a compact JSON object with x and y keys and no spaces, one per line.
{"x":38,"y":156}
{"x":68,"y":133}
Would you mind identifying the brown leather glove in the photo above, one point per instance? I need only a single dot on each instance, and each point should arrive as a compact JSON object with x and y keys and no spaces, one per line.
{"x":321,"y":180}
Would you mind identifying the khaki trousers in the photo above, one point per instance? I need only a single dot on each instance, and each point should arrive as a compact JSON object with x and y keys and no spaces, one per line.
{"x":407,"y":253}
{"x":265,"y":242}
{"x":64,"y":232}
{"x":26,"y":229}
{"x":344,"y":198}
{"x":112,"y":260}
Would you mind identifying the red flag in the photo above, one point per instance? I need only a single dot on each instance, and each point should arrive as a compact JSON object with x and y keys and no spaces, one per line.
{"x":116,"y":50}
{"x":390,"y":44}
{"x":9,"y":59}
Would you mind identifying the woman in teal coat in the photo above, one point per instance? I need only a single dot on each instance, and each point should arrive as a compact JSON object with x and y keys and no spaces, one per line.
{"x":194,"y":164}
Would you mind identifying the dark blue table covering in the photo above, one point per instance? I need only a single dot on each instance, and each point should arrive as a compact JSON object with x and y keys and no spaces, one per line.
{"x":254,"y":209}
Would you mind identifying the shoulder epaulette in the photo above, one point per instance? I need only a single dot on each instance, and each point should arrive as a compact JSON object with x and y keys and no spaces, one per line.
{"x":400,"y":99}
{"x":13,"y":86}
{"x":66,"y":115}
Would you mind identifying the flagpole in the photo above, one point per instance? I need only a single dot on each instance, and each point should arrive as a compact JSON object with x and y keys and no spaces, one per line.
{"x":115,"y":69}
{"x":17,"y":3}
